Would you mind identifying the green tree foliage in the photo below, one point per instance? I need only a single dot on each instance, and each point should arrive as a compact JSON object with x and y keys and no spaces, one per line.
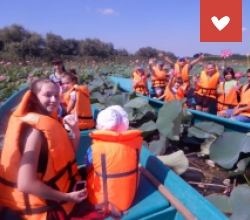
{"x":147,"y":52}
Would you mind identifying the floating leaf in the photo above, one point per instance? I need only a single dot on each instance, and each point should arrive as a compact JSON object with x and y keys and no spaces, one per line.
{"x":203,"y":129}
{"x":147,"y":128}
{"x":240,"y":201}
{"x":169,"y":119}
{"x":138,"y":102}
{"x":176,"y":161}
{"x":242,"y":165}
{"x":205,"y":146}
{"x":222,"y":202}
{"x":226,"y":149}
{"x":158,"y":147}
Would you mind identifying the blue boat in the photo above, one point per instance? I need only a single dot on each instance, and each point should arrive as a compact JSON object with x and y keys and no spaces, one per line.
{"x":149,"y":203}
{"x":125,"y":84}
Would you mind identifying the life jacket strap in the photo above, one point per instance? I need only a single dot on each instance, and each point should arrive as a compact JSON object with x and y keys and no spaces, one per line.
{"x":85,"y":117}
{"x":67,"y":168}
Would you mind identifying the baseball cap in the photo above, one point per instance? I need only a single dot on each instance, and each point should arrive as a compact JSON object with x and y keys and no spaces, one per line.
{"x":140,"y":67}
{"x":181,"y":59}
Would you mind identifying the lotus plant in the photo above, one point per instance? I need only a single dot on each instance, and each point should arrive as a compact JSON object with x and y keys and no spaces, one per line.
{"x":225,"y":54}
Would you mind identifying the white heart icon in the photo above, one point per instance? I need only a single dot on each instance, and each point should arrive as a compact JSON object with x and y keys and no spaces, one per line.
{"x":220,"y":24}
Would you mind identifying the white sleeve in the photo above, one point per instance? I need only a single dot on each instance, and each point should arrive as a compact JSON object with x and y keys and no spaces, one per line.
{"x":73,"y":95}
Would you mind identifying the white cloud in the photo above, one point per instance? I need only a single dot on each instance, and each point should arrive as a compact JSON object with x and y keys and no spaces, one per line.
{"x":107,"y":11}
{"x":244,"y":29}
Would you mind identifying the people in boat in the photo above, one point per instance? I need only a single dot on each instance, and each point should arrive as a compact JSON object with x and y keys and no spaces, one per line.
{"x":76,"y":100}
{"x":242,"y":111}
{"x":38,"y":169}
{"x":176,"y":89}
{"x":206,"y":86}
{"x":111,"y":181}
{"x":182,"y":67}
{"x":139,"y":81}
{"x":227,"y":91}
{"x":158,"y":77}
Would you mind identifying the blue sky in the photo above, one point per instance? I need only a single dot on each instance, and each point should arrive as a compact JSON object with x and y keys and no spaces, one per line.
{"x":131,"y":24}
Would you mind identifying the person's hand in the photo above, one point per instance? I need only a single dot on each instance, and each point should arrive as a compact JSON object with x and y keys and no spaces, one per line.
{"x":151,"y":61}
{"x":160,"y":55}
{"x":201,"y":57}
{"x":78,"y":196}
{"x":236,"y":111}
{"x":184,"y":86}
{"x":71,"y":123}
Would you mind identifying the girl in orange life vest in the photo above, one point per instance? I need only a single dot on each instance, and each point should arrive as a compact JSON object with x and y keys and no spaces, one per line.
{"x":242,"y":111}
{"x":182,"y":66}
{"x":139,"y":80}
{"x":158,"y":77}
{"x":111,"y":145}
{"x":227,"y":91}
{"x":76,"y":100}
{"x":205,"y":87}
{"x":175,"y":89}
{"x":34,"y":157}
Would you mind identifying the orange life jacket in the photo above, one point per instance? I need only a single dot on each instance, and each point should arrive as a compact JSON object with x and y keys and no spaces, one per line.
{"x":114,"y":179}
{"x":245,"y":99}
{"x":207,"y":86}
{"x":61,"y":168}
{"x":142,"y":85}
{"x":226,"y":101}
{"x":183,"y":73}
{"x":82,"y":106}
{"x":180,"y":94}
{"x":159,"y":78}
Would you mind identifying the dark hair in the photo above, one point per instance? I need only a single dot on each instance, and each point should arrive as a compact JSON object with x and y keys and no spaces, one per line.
{"x":248,"y":71}
{"x":72,"y":74}
{"x":229,"y":70}
{"x":211,"y":63}
{"x":179,"y":80}
{"x":36,"y":86}
{"x":59,"y":60}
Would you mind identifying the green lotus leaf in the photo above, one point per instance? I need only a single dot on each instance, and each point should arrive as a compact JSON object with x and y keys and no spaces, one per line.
{"x":226,"y":149}
{"x":169,"y":119}
{"x":138,"y":102}
{"x":158,"y":147}
{"x":205,"y":128}
{"x":240,"y":200}
{"x":222,"y":202}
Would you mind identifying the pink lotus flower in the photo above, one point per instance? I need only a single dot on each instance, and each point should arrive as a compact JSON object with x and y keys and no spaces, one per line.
{"x":8,"y":64}
{"x":2,"y":77}
{"x":226,"y":53}
{"x":137,"y":61}
{"x":45,"y":72}
{"x":28,"y":61}
{"x":238,"y":75}
{"x":2,"y":62}
{"x":20,"y":63}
